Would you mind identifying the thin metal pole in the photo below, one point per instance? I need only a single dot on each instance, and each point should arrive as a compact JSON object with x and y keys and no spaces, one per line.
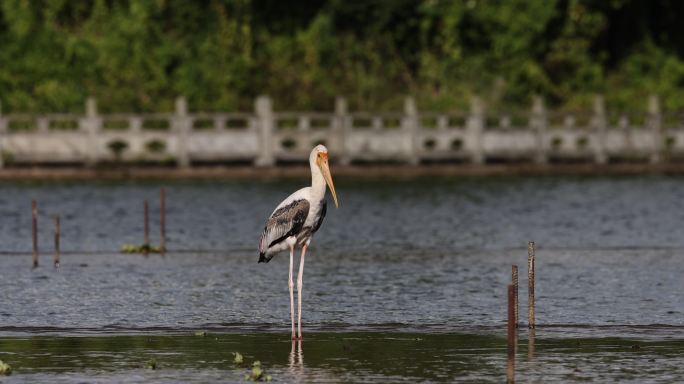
{"x":514,"y":279}
{"x":34,"y":226}
{"x":162,"y":220}
{"x":530,"y":287}
{"x":57,"y":234}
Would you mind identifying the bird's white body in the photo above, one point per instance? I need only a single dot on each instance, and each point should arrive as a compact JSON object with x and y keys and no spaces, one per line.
{"x":298,"y":217}
{"x":295,"y":220}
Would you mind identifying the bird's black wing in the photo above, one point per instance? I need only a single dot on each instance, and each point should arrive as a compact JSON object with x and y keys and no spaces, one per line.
{"x":321,"y":216}
{"x":283,"y":223}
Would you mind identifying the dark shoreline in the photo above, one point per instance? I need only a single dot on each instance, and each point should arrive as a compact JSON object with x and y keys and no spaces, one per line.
{"x":393,"y":171}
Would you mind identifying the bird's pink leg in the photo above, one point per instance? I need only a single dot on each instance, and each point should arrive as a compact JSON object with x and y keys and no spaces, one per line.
{"x":299,"y":291}
{"x":290,"y":284}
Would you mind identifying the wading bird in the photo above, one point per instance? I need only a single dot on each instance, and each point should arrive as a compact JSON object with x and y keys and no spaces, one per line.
{"x":295,"y":220}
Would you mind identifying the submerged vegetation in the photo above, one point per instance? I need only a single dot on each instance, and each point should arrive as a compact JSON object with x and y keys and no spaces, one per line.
{"x":140,"y":55}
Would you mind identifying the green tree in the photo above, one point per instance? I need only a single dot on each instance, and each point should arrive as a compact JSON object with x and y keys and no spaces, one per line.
{"x":138,"y":55}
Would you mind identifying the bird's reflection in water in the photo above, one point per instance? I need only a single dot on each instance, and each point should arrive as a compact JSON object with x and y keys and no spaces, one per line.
{"x":297,"y":359}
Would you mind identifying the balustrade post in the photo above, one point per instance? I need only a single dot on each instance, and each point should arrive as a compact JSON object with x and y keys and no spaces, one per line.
{"x":654,"y":123}
{"x":264,"y":111}
{"x":600,"y":125}
{"x":475,"y":131}
{"x":92,"y":125}
{"x":410,"y":125}
{"x":539,"y":126}
{"x":181,"y":124}
{"x":342,"y":125}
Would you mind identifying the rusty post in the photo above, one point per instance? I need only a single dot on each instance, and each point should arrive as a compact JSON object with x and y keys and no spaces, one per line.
{"x":514,"y":279}
{"x":34,"y":226}
{"x":511,"y":321}
{"x":530,"y":287}
{"x":162,"y":220}
{"x":147,"y":223}
{"x":57,"y":234}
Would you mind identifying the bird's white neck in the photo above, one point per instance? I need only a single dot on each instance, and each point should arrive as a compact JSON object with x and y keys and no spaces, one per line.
{"x":318,"y":185}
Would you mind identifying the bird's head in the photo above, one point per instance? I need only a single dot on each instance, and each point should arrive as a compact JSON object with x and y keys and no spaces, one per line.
{"x":320,"y":157}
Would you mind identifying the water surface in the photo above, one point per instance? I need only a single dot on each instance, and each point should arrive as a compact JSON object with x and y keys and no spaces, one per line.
{"x":353,"y":357}
{"x":398,"y":263}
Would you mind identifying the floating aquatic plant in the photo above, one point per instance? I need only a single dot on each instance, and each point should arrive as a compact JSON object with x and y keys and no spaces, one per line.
{"x":151,"y":364}
{"x":5,"y":369}
{"x":257,"y":373}
{"x":145,"y":248}
{"x":238,"y":358}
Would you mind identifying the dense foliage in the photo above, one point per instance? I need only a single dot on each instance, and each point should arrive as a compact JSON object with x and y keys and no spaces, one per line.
{"x":140,"y":54}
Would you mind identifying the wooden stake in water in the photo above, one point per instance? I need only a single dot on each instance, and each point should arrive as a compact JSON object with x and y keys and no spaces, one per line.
{"x":57,"y":234}
{"x":34,"y":226}
{"x":162,"y":220}
{"x":511,"y":321}
{"x":530,"y":286}
{"x":514,"y":280}
{"x":147,"y":223}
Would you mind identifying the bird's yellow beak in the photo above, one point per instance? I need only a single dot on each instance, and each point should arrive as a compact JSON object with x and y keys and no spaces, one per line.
{"x":322,"y":161}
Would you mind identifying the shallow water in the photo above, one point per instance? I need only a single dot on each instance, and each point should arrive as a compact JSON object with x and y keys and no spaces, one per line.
{"x":356,"y":357}
{"x":423,"y":259}
{"x":424,"y":291}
